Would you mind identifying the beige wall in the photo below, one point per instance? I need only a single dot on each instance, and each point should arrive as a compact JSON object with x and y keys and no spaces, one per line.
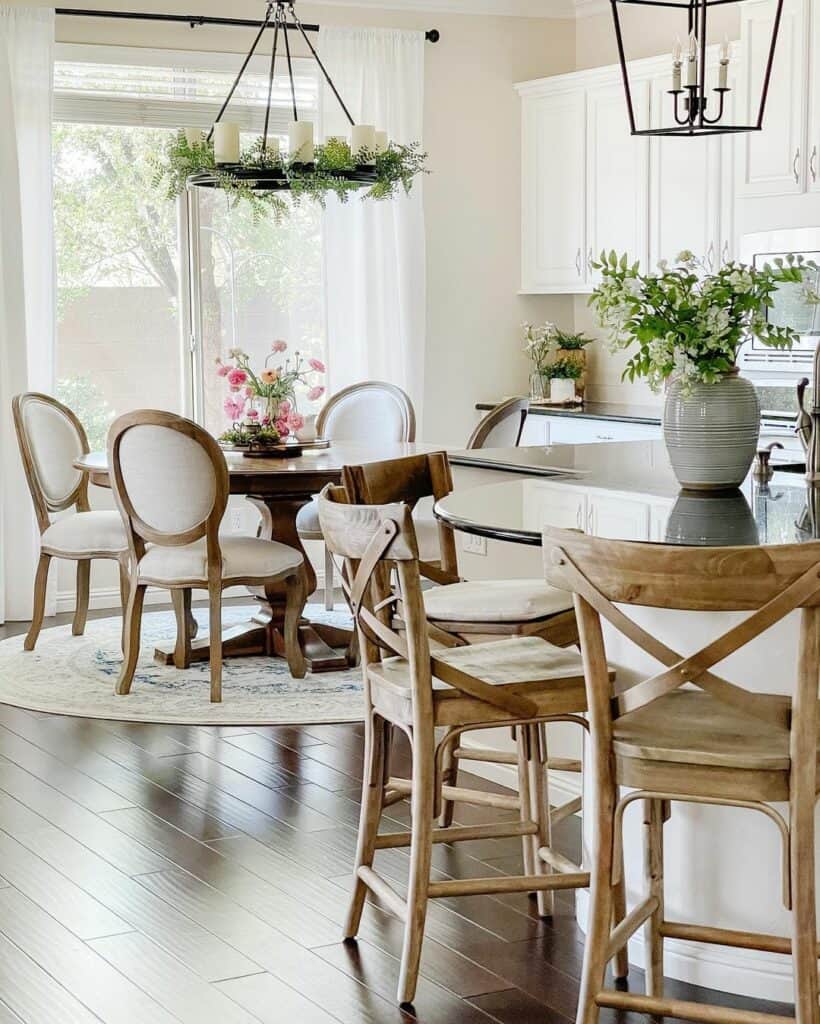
{"x":472,"y":198}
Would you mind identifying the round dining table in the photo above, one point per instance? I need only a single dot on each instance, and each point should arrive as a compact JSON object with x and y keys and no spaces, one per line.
{"x":278,"y":488}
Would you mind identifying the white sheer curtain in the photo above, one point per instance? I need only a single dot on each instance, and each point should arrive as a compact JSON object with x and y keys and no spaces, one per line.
{"x":27,"y":277}
{"x":374,"y":251}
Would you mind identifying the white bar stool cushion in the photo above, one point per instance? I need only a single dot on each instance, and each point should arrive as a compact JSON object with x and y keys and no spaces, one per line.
{"x":495,"y":601}
{"x":241,"y":557}
{"x":85,"y":533}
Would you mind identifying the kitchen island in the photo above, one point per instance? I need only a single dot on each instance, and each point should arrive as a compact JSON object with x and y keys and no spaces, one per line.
{"x":723,"y":864}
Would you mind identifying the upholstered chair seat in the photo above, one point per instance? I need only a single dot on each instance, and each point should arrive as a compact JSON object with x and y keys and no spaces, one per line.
{"x":86,"y":535}
{"x":241,"y":557}
{"x":495,"y":601}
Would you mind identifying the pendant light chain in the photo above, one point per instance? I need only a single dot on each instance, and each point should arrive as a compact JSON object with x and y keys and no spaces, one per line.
{"x":318,"y":60}
{"x":270,"y":81}
{"x":281,"y":12}
{"x":245,"y":63}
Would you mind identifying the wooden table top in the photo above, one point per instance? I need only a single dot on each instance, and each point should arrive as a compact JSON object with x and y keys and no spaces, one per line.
{"x":308,"y":472}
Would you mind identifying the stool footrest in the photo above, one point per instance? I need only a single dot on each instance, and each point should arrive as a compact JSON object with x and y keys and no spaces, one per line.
{"x":728,"y":937}
{"x":700,"y":1013}
{"x":507,"y":883}
{"x":460,"y":833}
{"x":558,"y":860}
{"x":630,"y":924}
{"x":386,"y":893}
{"x":565,"y":810}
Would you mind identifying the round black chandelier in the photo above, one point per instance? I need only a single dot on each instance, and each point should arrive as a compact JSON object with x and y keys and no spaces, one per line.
{"x":698,"y":106}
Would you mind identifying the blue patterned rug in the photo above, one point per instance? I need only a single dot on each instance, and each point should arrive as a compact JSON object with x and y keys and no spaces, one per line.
{"x":75,"y":675}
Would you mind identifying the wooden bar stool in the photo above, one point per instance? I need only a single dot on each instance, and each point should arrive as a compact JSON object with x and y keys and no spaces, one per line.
{"x":521,"y":681}
{"x":472,"y":611}
{"x":714,"y":743}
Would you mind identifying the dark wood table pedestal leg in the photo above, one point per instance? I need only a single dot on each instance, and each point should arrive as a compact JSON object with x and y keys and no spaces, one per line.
{"x":262,"y":633}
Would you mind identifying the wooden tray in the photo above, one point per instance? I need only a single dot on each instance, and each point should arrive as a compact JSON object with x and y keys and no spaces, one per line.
{"x":285,"y":450}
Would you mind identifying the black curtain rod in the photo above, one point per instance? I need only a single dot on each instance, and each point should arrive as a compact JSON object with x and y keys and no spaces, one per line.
{"x":194,"y":20}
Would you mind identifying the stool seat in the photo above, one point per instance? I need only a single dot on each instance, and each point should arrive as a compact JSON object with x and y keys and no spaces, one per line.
{"x":495,"y":601}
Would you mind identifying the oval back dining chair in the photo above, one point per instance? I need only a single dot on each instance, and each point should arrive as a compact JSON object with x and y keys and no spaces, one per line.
{"x":51,"y":438}
{"x":371,"y":410}
{"x":688,"y":734}
{"x":170,"y":480}
{"x":502,"y":426}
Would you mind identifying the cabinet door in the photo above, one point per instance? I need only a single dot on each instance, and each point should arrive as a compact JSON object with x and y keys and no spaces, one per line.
{"x":617,"y":175}
{"x":552,"y":230}
{"x":684,"y":188}
{"x":774,"y":160}
{"x":551,"y":505}
{"x":814,"y":106}
{"x":617,"y":517}
{"x":580,"y":430}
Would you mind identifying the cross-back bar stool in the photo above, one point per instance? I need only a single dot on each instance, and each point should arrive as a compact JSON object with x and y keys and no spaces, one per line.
{"x":713,"y":743}
{"x":472,"y":611}
{"x":520,"y":681}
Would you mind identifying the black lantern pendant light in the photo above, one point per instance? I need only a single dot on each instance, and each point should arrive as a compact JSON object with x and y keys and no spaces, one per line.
{"x":698,"y":106}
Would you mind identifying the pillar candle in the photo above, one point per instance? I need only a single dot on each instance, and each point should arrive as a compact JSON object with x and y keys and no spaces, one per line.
{"x":193,"y":136}
{"x":226,"y":142}
{"x":362,"y":136}
{"x":300,"y":141}
{"x":381,"y":141}
{"x":723,"y":71}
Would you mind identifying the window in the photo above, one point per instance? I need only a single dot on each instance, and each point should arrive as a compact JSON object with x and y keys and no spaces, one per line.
{"x":149,"y":293}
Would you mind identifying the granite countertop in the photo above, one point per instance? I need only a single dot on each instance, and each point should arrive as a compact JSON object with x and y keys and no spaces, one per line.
{"x":593,"y":410}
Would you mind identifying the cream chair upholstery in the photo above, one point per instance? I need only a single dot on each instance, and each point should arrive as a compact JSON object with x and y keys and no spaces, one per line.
{"x":170,"y":480}
{"x":371,"y":410}
{"x":51,"y":439}
{"x":496,"y":601}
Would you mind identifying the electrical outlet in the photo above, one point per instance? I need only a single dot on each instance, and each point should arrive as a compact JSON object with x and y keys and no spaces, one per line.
{"x":473,"y":545}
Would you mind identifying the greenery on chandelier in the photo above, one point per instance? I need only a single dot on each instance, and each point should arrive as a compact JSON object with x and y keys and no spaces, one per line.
{"x":394,"y":169}
{"x":687,"y":322}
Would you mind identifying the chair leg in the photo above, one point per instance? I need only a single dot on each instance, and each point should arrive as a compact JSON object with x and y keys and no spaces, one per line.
{"x":540,"y":810}
{"x":329,"y":602}
{"x":39,"y":609}
{"x":421,"y":853}
{"x":215,"y":640}
{"x":124,"y":588}
{"x":653,"y":873}
{"x":375,"y":776}
{"x":131,"y":647}
{"x":620,"y":962}
{"x":295,"y":602}
{"x":524,"y":799}
{"x":449,"y":777}
{"x":804,"y":942}
{"x":181,"y":600}
{"x":81,"y":605}
{"x":599,"y":921}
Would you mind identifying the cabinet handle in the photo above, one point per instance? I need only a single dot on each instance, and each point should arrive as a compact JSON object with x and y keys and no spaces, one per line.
{"x":813,"y":164}
{"x":725,"y":255}
{"x":578,"y":517}
{"x":795,"y":171}
{"x":710,"y":255}
{"x":578,"y":261}
{"x":590,"y":258}
{"x":591,"y":520}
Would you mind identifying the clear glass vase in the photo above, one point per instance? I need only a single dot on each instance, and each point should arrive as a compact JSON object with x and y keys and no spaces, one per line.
{"x":536,"y":387}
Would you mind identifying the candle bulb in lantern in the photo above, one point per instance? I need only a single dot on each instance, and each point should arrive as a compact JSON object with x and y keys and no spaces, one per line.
{"x":676,"y":66}
{"x":300,"y":141}
{"x":362,"y":138}
{"x":193,"y":136}
{"x":723,"y":71}
{"x":692,"y":61}
{"x":381,"y":142}
{"x":226,"y":142}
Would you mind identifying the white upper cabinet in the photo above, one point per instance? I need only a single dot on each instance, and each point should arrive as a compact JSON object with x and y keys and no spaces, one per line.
{"x":617,"y":175}
{"x":813,"y":146}
{"x":684,"y":188}
{"x":554,"y":245}
{"x":774,"y":161}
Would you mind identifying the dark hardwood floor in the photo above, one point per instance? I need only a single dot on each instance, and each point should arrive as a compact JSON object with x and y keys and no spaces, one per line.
{"x":164,"y":873}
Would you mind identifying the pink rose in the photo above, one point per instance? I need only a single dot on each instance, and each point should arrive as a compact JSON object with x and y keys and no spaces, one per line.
{"x":315,"y":393}
{"x":296,"y":421}
{"x":279,"y":345}
{"x":282,"y":428}
{"x":252,"y":414}
{"x":284,"y":409}
{"x":317,"y":365}
{"x":234,"y":407}
{"x":237,"y":377}
{"x":222,"y":370}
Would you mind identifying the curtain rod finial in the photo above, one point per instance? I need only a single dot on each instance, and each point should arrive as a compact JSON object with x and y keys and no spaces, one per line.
{"x":432,"y":35}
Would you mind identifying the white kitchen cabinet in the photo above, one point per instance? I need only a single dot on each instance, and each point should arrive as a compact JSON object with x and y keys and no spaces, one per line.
{"x":617,"y":516}
{"x":689,"y":208}
{"x":774,"y":161}
{"x":535,"y":431}
{"x":586,"y":430}
{"x":555,"y":505}
{"x":553,"y":255}
{"x":617,"y":175}
{"x":813,"y":146}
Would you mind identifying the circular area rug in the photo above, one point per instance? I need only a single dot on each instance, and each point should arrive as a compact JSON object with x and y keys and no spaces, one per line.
{"x":75,"y":675}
